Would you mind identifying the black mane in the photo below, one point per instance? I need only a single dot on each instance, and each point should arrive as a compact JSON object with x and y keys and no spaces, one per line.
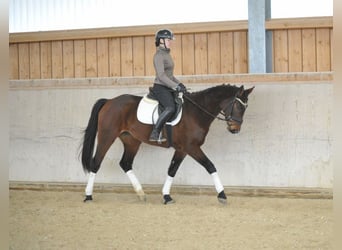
{"x":215,"y":90}
{"x":219,"y":92}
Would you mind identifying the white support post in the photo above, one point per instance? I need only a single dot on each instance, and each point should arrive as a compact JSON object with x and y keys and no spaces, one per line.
{"x":259,"y":45}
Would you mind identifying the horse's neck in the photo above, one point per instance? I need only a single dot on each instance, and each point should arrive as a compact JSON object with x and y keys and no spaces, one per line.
{"x":206,"y":108}
{"x":210,"y":101}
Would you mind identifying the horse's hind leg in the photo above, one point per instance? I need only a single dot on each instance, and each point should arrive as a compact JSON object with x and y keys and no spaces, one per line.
{"x":104,"y":140}
{"x":177,"y":159}
{"x":131,"y":147}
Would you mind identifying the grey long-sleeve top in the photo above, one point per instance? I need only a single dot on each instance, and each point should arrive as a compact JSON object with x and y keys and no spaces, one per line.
{"x":163,"y":65}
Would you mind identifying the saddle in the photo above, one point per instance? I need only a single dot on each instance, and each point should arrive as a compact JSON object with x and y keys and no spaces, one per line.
{"x":149,"y":109}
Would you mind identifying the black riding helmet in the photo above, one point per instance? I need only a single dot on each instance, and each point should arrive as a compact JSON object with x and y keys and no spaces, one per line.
{"x":163,"y":34}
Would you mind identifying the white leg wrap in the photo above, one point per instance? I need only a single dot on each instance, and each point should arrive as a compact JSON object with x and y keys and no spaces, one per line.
{"x":167,"y":185}
{"x":90,"y":184}
{"x":136,"y":184}
{"x":217,"y":182}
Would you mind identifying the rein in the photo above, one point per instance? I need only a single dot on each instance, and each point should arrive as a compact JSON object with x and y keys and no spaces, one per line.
{"x":221,"y":113}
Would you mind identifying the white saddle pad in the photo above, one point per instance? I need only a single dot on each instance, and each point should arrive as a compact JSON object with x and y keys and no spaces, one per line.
{"x":147,"y":112}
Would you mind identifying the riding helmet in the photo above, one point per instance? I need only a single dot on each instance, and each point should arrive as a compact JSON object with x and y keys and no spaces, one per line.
{"x":163,"y":34}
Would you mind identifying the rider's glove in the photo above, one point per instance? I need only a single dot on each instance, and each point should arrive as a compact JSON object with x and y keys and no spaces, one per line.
{"x":181,"y":88}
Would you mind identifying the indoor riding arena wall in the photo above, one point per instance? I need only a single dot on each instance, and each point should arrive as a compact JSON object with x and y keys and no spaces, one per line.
{"x":285,"y":141}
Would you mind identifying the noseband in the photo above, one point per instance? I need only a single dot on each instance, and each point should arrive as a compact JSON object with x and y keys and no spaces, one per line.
{"x":229,"y":115}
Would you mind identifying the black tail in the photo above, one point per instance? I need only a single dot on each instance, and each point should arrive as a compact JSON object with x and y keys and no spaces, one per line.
{"x":90,"y":135}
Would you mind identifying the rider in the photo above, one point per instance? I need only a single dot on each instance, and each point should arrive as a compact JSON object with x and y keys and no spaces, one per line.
{"x":165,"y":83}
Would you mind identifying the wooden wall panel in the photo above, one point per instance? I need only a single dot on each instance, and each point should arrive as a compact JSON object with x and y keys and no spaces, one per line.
{"x":114,"y":57}
{"x":13,"y":61}
{"x":323,"y":50}
{"x":138,"y":56}
{"x":34,"y":54}
{"x":300,"y":44}
{"x":188,"y":54}
{"x":80,"y":61}
{"x":126,"y":56}
{"x":201,"y":53}
{"x":331,"y":51}
{"x":102,"y":57}
{"x":214,"y":53}
{"x":24,"y":61}
{"x":57,"y":59}
{"x":240,"y":52}
{"x":68,"y":59}
{"x":309,"y":50}
{"x":227,"y":53}
{"x":280,"y":51}
{"x":45,"y":60}
{"x":150,"y":49}
{"x":295,"y":50}
{"x":91,"y":57}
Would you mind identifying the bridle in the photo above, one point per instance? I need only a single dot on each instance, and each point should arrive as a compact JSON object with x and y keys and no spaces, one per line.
{"x":231,"y":117}
{"x":230,"y":105}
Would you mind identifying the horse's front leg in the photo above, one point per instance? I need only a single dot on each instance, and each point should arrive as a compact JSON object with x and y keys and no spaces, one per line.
{"x":136,"y":185}
{"x":201,"y":158}
{"x":177,"y":159}
{"x":131,"y":146}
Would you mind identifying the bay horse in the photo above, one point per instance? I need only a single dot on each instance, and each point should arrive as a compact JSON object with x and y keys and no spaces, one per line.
{"x":117,"y":117}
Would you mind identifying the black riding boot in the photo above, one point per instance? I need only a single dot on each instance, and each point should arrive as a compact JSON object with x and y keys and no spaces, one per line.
{"x":167,"y":113}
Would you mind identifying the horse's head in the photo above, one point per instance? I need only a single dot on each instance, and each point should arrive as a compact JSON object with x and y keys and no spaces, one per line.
{"x":234,"y":109}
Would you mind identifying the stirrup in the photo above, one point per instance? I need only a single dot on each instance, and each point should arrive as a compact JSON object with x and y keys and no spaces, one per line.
{"x":160,"y":138}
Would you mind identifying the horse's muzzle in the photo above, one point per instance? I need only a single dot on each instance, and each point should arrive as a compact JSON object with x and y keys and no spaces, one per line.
{"x":233,"y":127}
{"x":233,"y":131}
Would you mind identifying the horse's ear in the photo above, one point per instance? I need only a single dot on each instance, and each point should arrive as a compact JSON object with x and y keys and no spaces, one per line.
{"x":248,"y":91}
{"x":240,"y":91}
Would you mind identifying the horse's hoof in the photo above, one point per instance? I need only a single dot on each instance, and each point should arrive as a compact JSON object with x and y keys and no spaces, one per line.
{"x":168,"y":199}
{"x":88,"y":198}
{"x":222,"y":198}
{"x":223,"y":201}
{"x":142,"y":197}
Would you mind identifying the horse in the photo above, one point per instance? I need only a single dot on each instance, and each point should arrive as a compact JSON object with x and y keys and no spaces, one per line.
{"x":117,"y":118}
